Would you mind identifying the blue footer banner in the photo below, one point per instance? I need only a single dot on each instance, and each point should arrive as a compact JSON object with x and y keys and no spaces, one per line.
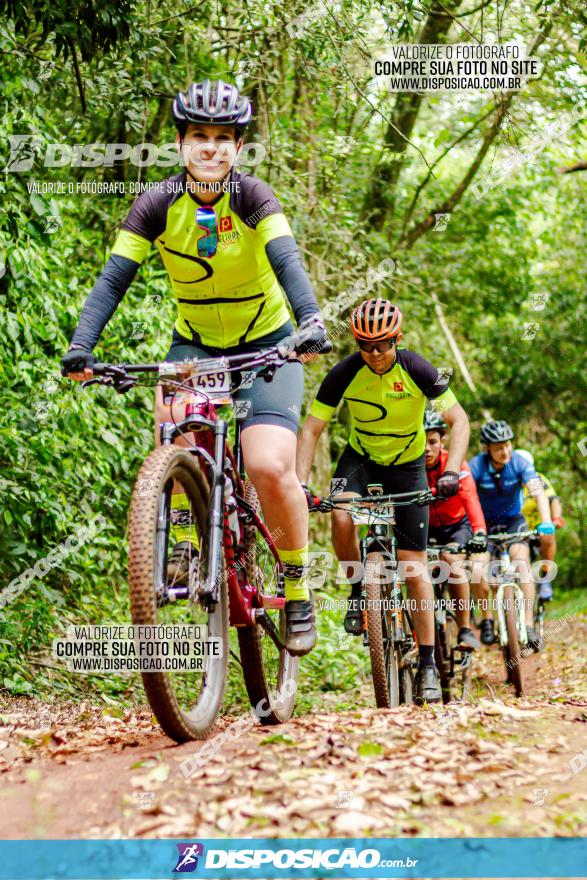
{"x":276,"y":858}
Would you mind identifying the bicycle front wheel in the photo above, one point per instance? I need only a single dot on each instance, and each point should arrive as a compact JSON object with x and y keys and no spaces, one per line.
{"x":511,"y":651}
{"x":384,"y":653}
{"x":185,"y":702}
{"x":270,"y":672}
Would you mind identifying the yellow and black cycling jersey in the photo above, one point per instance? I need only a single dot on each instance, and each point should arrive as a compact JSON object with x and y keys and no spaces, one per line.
{"x":530,"y":508}
{"x":226,"y":261}
{"x":386,"y":410}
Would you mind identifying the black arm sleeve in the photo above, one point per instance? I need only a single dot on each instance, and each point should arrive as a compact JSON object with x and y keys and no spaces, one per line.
{"x":103,"y":300}
{"x":285,"y":260}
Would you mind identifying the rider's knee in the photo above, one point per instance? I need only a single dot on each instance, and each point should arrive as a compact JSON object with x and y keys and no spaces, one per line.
{"x":270,"y":471}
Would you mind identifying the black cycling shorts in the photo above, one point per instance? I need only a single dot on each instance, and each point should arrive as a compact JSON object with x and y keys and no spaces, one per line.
{"x":411,"y":528}
{"x":453,"y":533}
{"x":271,"y":403}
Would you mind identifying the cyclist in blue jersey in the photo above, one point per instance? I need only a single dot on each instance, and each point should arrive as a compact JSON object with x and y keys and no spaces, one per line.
{"x":500,"y":475}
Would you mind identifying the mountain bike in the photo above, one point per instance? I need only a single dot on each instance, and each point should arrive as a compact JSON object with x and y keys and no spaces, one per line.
{"x":387,"y":627}
{"x":452,"y":661}
{"x":510,"y":606}
{"x":540,"y":603}
{"x":234,"y":574}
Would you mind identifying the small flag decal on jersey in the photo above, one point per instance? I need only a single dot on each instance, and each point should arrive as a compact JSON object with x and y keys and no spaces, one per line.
{"x":226,"y":224}
{"x":398,"y":386}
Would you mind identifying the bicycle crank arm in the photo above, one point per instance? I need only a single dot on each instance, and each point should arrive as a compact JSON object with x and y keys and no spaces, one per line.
{"x":262,"y":617}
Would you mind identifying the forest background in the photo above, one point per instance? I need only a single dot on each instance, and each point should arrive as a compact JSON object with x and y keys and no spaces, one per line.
{"x":479,"y":198}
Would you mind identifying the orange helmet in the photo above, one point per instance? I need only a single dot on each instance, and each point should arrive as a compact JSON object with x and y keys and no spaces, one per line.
{"x":376,"y":319}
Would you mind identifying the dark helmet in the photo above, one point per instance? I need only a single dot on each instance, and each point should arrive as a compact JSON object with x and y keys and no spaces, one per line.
{"x":212,"y":101}
{"x":376,"y":319}
{"x":433,"y":421}
{"x":496,"y":432}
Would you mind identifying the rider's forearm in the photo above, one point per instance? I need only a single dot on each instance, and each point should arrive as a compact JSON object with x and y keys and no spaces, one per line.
{"x":307,"y":442}
{"x":456,"y":417}
{"x":285,"y":260}
{"x":556,"y":509}
{"x":103,"y":300}
{"x":543,"y":506}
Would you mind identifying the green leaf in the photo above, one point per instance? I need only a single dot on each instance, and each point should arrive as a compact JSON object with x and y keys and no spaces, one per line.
{"x":370,"y":749}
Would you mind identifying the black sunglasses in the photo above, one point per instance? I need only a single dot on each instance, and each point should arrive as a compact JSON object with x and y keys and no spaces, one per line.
{"x":382,"y":346}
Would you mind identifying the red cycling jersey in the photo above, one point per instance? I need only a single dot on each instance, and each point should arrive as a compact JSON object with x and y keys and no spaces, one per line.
{"x":453,"y":509}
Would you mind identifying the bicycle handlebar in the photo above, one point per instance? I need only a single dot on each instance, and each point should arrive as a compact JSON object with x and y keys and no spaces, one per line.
{"x":372,"y":502}
{"x":512,"y":537}
{"x":122,"y":376}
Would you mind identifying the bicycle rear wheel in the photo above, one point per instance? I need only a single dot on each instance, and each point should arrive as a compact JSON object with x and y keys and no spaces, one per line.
{"x":270,"y":672}
{"x":511,"y":651}
{"x":185,"y":703}
{"x":384,"y":653}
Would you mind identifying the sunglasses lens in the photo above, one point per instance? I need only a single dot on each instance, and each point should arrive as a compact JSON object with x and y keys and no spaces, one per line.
{"x":207,"y":220}
{"x":381,"y":347}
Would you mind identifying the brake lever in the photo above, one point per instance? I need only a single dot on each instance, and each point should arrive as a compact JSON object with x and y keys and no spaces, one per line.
{"x":88,"y":382}
{"x":124,"y":385}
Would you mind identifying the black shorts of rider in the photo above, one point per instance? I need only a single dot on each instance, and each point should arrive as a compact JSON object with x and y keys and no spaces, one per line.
{"x":277,"y":402}
{"x":508,"y":524}
{"x":453,"y":533}
{"x":411,"y":521}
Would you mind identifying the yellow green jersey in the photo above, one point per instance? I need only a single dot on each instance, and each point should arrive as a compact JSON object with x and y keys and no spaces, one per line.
{"x":386,"y":410}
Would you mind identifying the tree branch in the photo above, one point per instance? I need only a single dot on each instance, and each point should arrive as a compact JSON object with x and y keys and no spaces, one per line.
{"x":78,"y":77}
{"x":450,"y":203}
{"x":379,"y":199}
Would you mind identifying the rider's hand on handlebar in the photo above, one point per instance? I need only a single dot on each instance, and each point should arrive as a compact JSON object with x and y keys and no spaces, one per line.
{"x":77,"y":364}
{"x":315,"y":338}
{"x":312,"y":500}
{"x":477,"y":543}
{"x":545,"y":528}
{"x":448,"y":484}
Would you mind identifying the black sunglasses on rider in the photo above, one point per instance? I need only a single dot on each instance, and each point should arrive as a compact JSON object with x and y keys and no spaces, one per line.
{"x":382,"y":346}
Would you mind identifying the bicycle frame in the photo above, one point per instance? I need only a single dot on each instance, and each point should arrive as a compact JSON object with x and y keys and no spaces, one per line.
{"x":519,"y":599}
{"x":441,"y":614}
{"x":221,"y":464}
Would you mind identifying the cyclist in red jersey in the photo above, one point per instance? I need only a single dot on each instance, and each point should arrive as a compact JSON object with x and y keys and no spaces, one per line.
{"x":454,"y":520}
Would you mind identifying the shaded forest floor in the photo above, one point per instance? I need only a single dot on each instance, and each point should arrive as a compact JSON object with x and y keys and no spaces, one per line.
{"x":497,"y":767}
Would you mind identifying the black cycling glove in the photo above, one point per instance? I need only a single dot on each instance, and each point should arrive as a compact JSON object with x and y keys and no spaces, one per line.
{"x":477,"y":543}
{"x":448,"y":484}
{"x":314,"y":336}
{"x":76,"y":361}
{"x":312,"y":500}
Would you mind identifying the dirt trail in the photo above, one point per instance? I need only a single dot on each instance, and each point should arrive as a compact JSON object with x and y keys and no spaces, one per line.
{"x":498,"y":767}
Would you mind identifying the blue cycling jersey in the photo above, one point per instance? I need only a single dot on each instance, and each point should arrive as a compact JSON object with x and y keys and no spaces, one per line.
{"x":500,"y":492}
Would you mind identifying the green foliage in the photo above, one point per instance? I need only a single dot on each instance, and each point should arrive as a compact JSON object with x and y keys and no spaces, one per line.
{"x":93,"y":25}
{"x":68,"y":454}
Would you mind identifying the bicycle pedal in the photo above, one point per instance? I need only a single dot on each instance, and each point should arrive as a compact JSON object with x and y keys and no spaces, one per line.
{"x":464,"y":649}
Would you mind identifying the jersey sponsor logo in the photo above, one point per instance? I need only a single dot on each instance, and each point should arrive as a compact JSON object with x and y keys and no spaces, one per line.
{"x":398,"y":395}
{"x":227,"y":238}
{"x":398,"y":386}
{"x":225,"y":224}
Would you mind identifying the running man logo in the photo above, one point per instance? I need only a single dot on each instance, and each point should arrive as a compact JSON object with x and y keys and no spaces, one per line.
{"x":188,"y":855}
{"x":226,"y":224}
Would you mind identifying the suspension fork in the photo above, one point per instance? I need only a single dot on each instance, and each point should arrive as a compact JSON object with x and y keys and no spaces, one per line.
{"x":209,"y":590}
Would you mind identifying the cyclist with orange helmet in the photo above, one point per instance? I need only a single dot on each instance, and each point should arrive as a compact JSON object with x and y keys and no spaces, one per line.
{"x":386,"y":388}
